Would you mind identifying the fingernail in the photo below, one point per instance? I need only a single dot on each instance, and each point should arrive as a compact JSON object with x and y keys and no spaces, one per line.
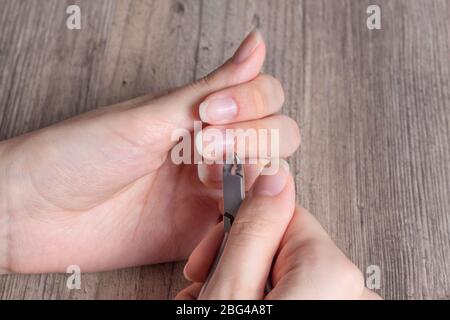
{"x":271,"y":185}
{"x":247,"y":47}
{"x":213,"y":143}
{"x":218,"y":110}
{"x":185,"y":273}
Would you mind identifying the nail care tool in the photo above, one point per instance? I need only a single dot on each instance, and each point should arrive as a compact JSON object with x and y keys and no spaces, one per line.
{"x":233,"y":195}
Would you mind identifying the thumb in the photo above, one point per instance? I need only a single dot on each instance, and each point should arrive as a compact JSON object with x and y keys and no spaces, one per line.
{"x":253,"y":241}
{"x":179,"y":109}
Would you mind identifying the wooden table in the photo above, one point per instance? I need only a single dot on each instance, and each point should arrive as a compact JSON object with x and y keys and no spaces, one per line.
{"x":373,"y":107}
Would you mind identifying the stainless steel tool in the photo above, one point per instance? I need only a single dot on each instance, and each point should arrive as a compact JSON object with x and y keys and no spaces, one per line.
{"x":233,"y":195}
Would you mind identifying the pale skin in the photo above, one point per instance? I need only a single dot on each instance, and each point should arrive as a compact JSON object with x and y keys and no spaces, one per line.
{"x":100,"y":190}
{"x":273,"y":238}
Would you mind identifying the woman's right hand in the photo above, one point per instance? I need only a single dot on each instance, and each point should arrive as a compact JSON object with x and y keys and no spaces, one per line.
{"x":273,"y":237}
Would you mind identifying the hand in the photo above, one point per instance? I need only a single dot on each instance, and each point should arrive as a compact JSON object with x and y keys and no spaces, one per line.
{"x":273,"y":238}
{"x":100,"y":190}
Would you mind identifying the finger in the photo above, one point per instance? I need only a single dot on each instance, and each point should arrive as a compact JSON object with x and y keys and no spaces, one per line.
{"x":189,"y":293}
{"x":369,"y":295}
{"x":251,"y":100}
{"x":212,"y":174}
{"x":310,"y":266}
{"x":201,"y":259}
{"x":127,"y":140}
{"x":276,"y":136}
{"x":179,"y":109}
{"x":257,"y":230}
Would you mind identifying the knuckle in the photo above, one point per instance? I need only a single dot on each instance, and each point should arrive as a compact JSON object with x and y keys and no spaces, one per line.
{"x":355,"y":274}
{"x":350,"y":278}
{"x":267,"y":94}
{"x":296,"y":137}
{"x":344,"y":274}
{"x":244,"y":229}
{"x":293,"y":130}
{"x":274,"y":88}
{"x":278,"y":90}
{"x":253,"y":223}
{"x":259,"y":98}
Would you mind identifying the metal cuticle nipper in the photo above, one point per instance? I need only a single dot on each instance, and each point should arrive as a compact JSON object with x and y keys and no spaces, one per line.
{"x":233,"y":184}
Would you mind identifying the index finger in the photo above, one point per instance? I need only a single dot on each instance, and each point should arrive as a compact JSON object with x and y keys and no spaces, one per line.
{"x":252,"y":100}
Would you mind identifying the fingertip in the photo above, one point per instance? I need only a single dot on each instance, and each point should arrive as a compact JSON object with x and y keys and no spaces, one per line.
{"x":272,"y":182}
{"x":186,"y":271}
{"x":249,"y":57}
{"x":189,"y":293}
{"x":248,"y":46}
{"x":178,"y":106}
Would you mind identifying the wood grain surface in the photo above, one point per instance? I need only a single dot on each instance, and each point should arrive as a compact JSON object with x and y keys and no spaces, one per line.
{"x":373,"y":107}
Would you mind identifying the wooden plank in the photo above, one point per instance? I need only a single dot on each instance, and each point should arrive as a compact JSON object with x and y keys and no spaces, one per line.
{"x":373,"y":106}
